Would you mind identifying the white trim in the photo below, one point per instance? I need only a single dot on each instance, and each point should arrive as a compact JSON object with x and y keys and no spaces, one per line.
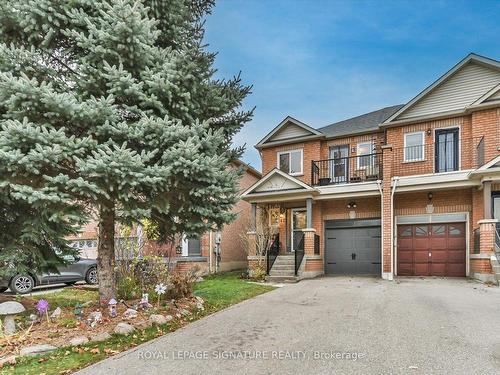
{"x":486,"y":96}
{"x":285,"y":121}
{"x":459,"y":145}
{"x":301,"y":150}
{"x":467,"y":234}
{"x":358,"y":155}
{"x":283,"y":174}
{"x":185,"y":247}
{"x":422,"y":133}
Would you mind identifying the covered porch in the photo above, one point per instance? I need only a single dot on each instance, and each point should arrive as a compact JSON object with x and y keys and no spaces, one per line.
{"x":283,"y":237}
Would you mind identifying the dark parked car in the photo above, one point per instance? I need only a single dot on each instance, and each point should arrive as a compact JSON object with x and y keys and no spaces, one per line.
{"x":78,"y":270}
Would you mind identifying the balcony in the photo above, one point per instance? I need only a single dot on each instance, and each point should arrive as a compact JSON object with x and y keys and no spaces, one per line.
{"x":447,"y":155}
{"x":351,"y":169}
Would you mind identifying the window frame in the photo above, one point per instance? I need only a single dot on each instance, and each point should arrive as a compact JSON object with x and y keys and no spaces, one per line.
{"x":301,"y":150}
{"x":358,"y":155}
{"x":405,"y":160}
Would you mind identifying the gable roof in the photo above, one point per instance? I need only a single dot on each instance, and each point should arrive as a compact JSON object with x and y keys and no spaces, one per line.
{"x":490,"y":96}
{"x":277,"y":181}
{"x":288,"y":129}
{"x":478,"y":73}
{"x":360,"y":124}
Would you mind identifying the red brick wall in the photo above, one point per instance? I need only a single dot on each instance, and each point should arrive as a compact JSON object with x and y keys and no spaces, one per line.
{"x":233,"y":252}
{"x":395,"y":137}
{"x":311,"y":151}
{"x":487,"y":123}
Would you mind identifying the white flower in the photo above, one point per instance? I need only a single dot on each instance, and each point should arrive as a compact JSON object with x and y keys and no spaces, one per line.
{"x":160,"y":288}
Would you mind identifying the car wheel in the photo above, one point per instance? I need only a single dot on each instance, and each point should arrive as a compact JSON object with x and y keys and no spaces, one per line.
{"x":22,"y":284}
{"x":91,"y":276}
{"x":3,"y":289}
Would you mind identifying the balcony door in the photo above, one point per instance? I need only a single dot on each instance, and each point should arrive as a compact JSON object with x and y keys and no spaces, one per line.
{"x":339,"y":163}
{"x":447,"y":150}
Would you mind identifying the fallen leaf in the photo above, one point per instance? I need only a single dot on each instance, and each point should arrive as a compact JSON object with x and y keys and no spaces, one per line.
{"x":95,"y":351}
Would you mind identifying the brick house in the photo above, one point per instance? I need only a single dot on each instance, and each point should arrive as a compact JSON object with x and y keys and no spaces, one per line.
{"x":407,"y":190}
{"x":189,"y":252}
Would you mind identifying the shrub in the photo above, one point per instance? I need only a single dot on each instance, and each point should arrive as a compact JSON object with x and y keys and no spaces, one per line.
{"x":181,"y":284}
{"x":127,"y":288}
{"x":139,"y":275}
{"x":257,"y":273}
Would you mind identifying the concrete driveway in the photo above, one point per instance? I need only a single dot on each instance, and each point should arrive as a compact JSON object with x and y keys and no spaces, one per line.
{"x":411,"y":326}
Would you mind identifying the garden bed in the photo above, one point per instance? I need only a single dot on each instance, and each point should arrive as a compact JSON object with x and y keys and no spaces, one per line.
{"x":217,"y":292}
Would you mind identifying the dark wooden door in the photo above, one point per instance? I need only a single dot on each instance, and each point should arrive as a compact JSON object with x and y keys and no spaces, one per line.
{"x":431,"y":249}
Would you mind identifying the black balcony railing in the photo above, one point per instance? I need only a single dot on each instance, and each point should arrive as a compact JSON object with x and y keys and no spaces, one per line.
{"x":350,"y":169}
{"x":448,"y":155}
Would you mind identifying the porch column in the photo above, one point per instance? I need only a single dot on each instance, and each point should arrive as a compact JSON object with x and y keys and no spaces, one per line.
{"x":309,"y":203}
{"x":253,"y":218}
{"x":487,"y":200}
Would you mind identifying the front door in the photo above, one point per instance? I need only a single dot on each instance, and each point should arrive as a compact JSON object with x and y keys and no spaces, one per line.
{"x":339,"y":165}
{"x":447,"y":150}
{"x":299,"y":222}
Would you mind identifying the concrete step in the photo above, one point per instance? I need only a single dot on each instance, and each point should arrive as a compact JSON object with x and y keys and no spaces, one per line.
{"x":282,"y":279}
{"x":282,"y":273}
{"x":283,"y":267}
{"x":496,"y":269}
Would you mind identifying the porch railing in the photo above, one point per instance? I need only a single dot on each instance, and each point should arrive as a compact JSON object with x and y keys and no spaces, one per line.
{"x":350,"y":169}
{"x":299,"y":254}
{"x":438,"y":157}
{"x":316,"y":244}
{"x":272,"y":252}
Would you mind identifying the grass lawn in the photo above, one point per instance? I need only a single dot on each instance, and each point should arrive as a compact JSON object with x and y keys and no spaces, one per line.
{"x":219,"y":292}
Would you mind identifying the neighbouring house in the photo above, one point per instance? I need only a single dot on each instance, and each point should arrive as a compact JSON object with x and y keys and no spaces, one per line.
{"x":186,"y":253}
{"x":407,"y":190}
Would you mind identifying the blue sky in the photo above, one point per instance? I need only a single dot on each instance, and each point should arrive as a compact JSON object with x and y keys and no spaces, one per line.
{"x":324,"y":61}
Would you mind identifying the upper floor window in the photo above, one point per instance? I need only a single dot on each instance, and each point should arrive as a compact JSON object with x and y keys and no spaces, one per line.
{"x":364,"y":151}
{"x":291,"y":162}
{"x":414,"y":146}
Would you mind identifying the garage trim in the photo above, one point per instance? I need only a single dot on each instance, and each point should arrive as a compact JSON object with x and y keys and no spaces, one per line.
{"x":453,"y":217}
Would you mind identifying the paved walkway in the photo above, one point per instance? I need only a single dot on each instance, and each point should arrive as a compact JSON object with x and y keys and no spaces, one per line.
{"x":335,"y":325}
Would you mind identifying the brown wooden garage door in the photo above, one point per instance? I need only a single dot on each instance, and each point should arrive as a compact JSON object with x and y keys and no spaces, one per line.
{"x":431,"y":250}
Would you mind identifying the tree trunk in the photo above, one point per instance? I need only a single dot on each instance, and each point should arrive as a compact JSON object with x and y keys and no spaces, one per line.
{"x":106,"y":254}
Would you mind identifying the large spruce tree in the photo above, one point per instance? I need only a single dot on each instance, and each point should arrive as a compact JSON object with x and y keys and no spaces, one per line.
{"x":111,"y":106}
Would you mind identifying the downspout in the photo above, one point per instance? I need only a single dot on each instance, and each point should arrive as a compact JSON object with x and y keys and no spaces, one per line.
{"x":395,"y":179}
{"x":379,"y":185}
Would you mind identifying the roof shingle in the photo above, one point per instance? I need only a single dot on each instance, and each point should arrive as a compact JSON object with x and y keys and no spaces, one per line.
{"x":360,"y":124}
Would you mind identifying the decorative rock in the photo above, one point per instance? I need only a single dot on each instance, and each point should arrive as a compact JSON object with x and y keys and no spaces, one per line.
{"x":130,"y":313}
{"x":199,"y":306}
{"x":33,"y":318}
{"x":124,"y":328}
{"x":143,"y":324}
{"x":78,"y":340}
{"x":56,"y":314}
{"x":169,"y":317}
{"x":184,"y":312}
{"x":9,"y":360}
{"x":199,"y":300}
{"x":158,"y":319}
{"x":37,"y":350}
{"x":102,"y":336}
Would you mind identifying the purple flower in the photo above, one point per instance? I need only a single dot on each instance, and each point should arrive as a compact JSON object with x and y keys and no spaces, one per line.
{"x":42,"y":306}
